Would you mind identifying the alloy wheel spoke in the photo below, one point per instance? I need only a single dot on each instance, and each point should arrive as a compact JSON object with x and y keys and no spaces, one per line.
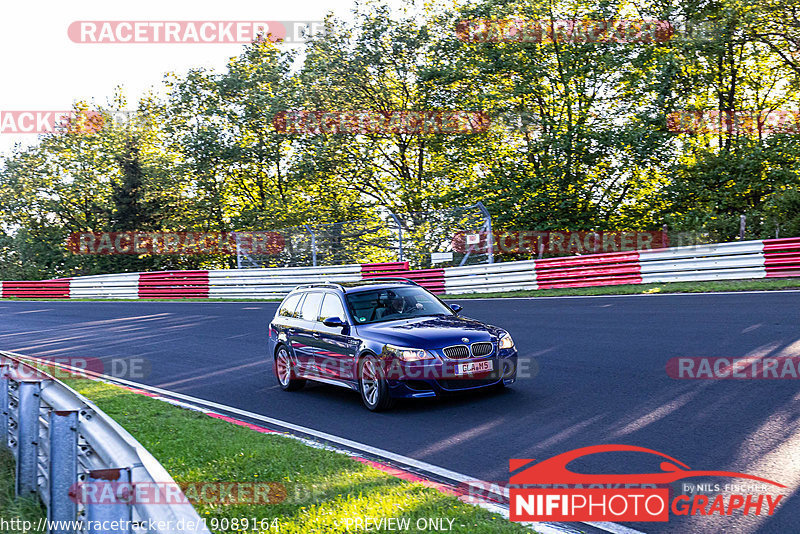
{"x":369,"y":382}
{"x":283,"y":368}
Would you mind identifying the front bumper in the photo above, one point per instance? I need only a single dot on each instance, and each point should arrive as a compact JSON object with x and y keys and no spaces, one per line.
{"x":437,"y":377}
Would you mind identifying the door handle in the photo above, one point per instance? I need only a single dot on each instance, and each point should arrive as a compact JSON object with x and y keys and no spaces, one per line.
{"x":315,"y":334}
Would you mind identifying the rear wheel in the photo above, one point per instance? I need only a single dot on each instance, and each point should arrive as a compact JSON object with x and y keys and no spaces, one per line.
{"x":373,"y":385}
{"x":285,"y":371}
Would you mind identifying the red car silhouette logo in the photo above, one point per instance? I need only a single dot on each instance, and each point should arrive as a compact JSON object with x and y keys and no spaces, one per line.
{"x":554,"y":470}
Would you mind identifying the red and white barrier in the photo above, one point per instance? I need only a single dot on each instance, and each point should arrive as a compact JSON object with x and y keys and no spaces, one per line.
{"x":274,"y":283}
{"x":613,"y":268}
{"x":50,"y":289}
{"x":782,"y":257}
{"x":724,"y":261}
{"x":431,"y":279}
{"x":509,"y":276}
{"x":770,"y":258}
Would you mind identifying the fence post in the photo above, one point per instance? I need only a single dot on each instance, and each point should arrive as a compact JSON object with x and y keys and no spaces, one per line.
{"x":399,"y":236}
{"x":63,"y":469}
{"x":489,"y":235}
{"x":117,"y":512}
{"x":742,"y":225}
{"x":238,"y":251}
{"x":4,"y":405}
{"x":313,"y":244}
{"x":28,"y":438}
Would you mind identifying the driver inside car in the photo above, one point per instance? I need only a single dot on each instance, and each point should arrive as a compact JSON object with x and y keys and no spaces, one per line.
{"x":396,"y":305}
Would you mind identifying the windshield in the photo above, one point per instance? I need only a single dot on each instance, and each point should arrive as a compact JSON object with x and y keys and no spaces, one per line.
{"x":379,"y":305}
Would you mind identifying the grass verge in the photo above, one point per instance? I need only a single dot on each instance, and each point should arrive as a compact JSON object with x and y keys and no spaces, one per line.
{"x":11,"y":508}
{"x":323,"y":488}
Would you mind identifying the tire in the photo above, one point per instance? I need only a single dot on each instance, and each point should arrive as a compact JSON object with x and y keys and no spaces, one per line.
{"x":373,"y":386}
{"x":284,"y":371}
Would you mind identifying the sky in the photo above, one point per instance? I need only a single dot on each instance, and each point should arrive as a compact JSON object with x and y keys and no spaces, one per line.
{"x":44,"y":70}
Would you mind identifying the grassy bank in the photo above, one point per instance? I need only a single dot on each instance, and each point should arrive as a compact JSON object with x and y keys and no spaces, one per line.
{"x":323,"y":489}
{"x":12,"y":508}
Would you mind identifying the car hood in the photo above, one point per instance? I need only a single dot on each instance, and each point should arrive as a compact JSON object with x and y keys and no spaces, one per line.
{"x":430,"y":332}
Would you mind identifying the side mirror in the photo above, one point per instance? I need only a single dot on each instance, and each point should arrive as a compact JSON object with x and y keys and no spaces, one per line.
{"x":334,"y":322}
{"x":456,"y":307}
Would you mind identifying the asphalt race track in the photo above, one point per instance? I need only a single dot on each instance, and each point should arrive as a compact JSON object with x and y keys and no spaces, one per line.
{"x":597,"y":376}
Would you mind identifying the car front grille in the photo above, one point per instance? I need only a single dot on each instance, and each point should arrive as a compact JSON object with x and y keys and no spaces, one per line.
{"x":460,"y":352}
{"x":482,"y":349}
{"x":461,"y":383}
{"x":456,"y":352}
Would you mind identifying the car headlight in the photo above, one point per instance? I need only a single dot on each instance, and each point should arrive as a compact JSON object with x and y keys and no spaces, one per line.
{"x":408,"y":354}
{"x":506,"y":342}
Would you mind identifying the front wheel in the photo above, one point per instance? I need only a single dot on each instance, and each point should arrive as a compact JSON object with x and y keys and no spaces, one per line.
{"x":284,"y":369}
{"x":373,"y":386}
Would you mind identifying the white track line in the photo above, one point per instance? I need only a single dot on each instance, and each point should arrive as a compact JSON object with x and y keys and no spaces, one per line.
{"x":542,"y":528}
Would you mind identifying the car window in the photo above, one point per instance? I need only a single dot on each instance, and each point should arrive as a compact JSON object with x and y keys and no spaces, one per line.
{"x":310,"y":307}
{"x":299,"y":307}
{"x":394,"y":303}
{"x":331,"y":307}
{"x":289,"y":305}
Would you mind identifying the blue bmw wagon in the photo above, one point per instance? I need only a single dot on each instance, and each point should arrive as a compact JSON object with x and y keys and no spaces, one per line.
{"x":386,"y":339}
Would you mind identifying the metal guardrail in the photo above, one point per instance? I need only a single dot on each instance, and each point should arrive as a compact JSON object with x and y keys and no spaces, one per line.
{"x":508,"y":276}
{"x":111,"y":286}
{"x":769,"y":258}
{"x":60,"y":439}
{"x":275,"y":283}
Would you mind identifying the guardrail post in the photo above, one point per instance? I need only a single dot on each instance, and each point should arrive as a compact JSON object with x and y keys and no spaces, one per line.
{"x":115,"y":513}
{"x":4,"y":405}
{"x":399,"y":236}
{"x":63,"y":467}
{"x":28,"y":438}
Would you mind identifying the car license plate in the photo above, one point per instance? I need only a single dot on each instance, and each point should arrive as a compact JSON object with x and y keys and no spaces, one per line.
{"x":474,"y":367}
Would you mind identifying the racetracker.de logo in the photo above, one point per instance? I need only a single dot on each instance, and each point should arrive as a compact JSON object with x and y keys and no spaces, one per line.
{"x":108,"y":490}
{"x":112,"y":243}
{"x":594,"y":503}
{"x":50,"y":122}
{"x":191,"y":31}
{"x":564,"y":31}
{"x":558,"y":242}
{"x":741,"y":121}
{"x":75,"y":368}
{"x":747,"y":368}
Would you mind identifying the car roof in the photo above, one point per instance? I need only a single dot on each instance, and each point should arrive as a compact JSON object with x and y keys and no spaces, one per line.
{"x":362,"y":285}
